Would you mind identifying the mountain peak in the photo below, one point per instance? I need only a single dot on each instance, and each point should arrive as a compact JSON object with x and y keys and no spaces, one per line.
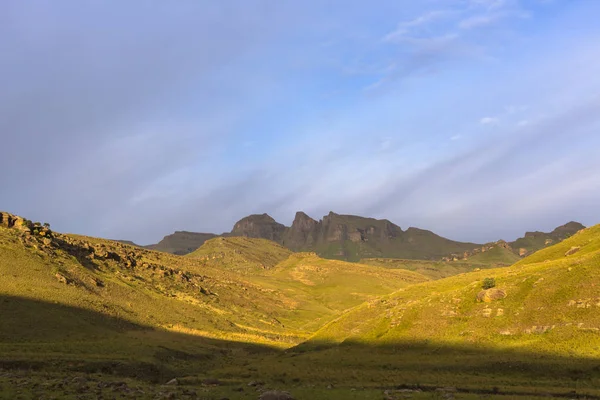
{"x":259,"y":226}
{"x":569,"y":228}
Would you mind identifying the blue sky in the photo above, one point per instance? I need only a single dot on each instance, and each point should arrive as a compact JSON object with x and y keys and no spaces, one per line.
{"x":477,"y":119}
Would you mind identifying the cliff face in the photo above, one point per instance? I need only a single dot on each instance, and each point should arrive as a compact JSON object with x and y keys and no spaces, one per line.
{"x":259,"y":226}
{"x":304,"y":232}
{"x":348,"y":237}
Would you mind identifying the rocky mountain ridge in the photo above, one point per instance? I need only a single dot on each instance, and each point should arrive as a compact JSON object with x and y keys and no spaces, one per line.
{"x":524,"y":246}
{"x":351,"y":238}
{"x":348,"y":237}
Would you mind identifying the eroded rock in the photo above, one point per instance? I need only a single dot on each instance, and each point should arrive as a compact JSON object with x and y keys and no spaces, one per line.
{"x":489,"y":295}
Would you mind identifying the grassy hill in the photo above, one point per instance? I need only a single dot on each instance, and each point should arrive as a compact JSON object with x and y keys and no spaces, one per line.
{"x":181,"y":242}
{"x":241,"y":254}
{"x":431,"y":269}
{"x":534,"y":241}
{"x":543,"y":337}
{"x":543,"y":290}
{"x":318,"y":288}
{"x":498,"y":256}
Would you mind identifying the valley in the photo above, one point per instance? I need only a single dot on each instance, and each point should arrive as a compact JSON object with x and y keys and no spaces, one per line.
{"x":84,"y":317}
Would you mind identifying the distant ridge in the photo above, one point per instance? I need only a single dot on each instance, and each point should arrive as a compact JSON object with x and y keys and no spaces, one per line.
{"x":181,"y":242}
{"x":352,"y":238}
{"x":349,"y":237}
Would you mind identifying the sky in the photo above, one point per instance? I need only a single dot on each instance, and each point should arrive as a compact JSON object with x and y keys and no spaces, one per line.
{"x":476,"y":119}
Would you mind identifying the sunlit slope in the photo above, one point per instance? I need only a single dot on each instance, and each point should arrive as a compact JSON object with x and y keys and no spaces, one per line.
{"x":496,"y":256}
{"x":241,"y":254}
{"x":245,"y":295}
{"x":143,"y":287}
{"x":322,"y":289}
{"x":552,"y":304}
{"x":318,"y":289}
{"x":430,"y":269}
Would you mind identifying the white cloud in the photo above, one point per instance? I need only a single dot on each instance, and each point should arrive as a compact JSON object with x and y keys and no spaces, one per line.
{"x":405,"y":28}
{"x":478,"y":21}
{"x":489,"y":121}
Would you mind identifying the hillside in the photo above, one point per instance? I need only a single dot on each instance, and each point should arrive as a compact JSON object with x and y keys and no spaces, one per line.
{"x":535,"y":334}
{"x":544,"y":293}
{"x":134,"y":303}
{"x":319,"y":288}
{"x":242,"y":254}
{"x":534,"y":241}
{"x":181,"y":242}
{"x":431,"y":269}
{"x":503,"y":253}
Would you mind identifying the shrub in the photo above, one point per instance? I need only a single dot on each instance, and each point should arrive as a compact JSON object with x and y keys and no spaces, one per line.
{"x":489,"y":283}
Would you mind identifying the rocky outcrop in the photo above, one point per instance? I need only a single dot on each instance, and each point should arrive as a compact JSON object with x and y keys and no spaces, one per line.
{"x":259,"y":226}
{"x":489,"y":295}
{"x":8,"y":220}
{"x":572,"y":251}
{"x":303,"y":233}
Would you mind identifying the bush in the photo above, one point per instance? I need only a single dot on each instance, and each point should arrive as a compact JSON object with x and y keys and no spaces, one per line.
{"x":489,"y":283}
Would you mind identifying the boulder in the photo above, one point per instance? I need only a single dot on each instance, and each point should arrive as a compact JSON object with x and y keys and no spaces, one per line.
{"x":572,"y":250}
{"x":275,"y":395}
{"x":489,"y":295}
{"x":62,"y":279}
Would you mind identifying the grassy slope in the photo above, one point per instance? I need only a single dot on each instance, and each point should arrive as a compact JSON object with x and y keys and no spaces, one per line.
{"x":496,"y":256}
{"x":542,"y":339}
{"x":241,"y":254}
{"x":322,"y":288}
{"x":541,"y":291}
{"x":412,"y":244}
{"x":142,"y":296}
{"x":318,"y":289}
{"x":214,"y":300}
{"x":431,"y":269}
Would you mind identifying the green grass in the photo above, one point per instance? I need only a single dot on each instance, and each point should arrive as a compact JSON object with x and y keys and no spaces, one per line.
{"x":431,"y":269}
{"x":241,"y":254}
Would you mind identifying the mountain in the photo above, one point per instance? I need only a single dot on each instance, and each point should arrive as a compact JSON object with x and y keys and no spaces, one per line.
{"x":349,"y":237}
{"x":534,"y":241}
{"x":354,"y":238}
{"x":260,"y":226}
{"x":181,"y":242}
